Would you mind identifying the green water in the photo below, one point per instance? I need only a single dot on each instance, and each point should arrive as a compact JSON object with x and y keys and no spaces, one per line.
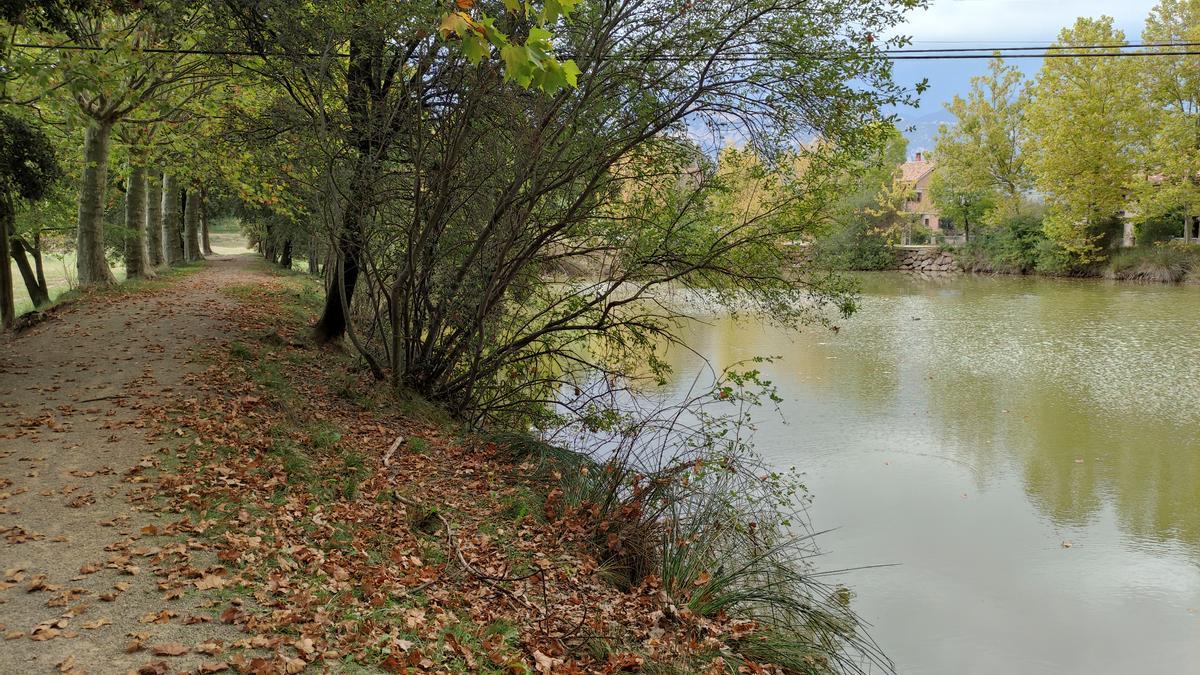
{"x":1027,"y":452}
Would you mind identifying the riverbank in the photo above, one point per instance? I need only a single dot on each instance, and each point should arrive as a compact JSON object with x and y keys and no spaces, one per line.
{"x":1158,"y":264}
{"x":215,"y":491}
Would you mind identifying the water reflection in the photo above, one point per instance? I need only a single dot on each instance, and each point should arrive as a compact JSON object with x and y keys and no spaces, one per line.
{"x":969,"y":429}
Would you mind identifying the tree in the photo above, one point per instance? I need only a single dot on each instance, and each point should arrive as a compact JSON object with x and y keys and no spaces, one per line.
{"x":491,"y":184}
{"x":1170,"y":147}
{"x":1082,"y":125}
{"x":962,"y":203}
{"x":390,"y":47}
{"x":895,"y":222}
{"x":109,"y":81}
{"x":27,"y":172}
{"x":981,"y":160}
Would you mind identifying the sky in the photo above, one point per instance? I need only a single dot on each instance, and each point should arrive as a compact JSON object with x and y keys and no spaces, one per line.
{"x":989,"y":23}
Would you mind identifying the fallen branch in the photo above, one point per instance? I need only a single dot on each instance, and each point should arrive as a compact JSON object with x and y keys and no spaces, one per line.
{"x":490,"y":580}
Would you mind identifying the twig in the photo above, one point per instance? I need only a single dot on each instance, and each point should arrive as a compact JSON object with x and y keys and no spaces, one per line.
{"x":387,"y":456}
{"x":492,"y":581}
{"x":103,"y":398}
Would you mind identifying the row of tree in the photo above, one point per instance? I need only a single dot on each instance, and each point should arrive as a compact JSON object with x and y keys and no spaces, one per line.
{"x":444,"y":159}
{"x":1097,"y":139}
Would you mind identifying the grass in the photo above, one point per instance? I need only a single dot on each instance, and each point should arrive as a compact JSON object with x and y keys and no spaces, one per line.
{"x":59,"y":269}
{"x":1168,"y":263}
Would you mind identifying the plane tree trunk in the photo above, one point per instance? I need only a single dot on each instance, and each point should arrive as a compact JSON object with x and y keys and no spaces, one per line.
{"x":171,"y":221}
{"x":205,"y":244}
{"x":8,"y":310}
{"x":191,"y":226}
{"x":90,"y":264}
{"x":137,"y":258}
{"x":154,"y":213}
{"x":285,"y":256}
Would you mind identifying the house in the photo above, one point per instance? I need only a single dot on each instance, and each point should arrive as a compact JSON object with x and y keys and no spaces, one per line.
{"x":917,"y":174}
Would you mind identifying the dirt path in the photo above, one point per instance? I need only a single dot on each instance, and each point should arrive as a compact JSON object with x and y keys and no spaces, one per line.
{"x":81,"y":578}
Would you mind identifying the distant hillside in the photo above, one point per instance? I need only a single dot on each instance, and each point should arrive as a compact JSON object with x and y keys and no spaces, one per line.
{"x":921,"y":130}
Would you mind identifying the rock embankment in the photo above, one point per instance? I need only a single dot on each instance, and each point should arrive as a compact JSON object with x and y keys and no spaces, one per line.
{"x":926,"y":260}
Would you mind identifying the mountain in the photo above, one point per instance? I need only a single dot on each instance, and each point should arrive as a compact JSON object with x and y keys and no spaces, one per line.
{"x":920,"y":131}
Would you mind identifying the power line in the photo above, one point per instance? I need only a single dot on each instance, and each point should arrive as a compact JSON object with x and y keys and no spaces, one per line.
{"x":974,"y":53}
{"x":1135,"y":45}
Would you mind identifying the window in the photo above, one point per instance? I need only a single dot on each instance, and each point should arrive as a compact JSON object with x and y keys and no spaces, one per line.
{"x":918,"y":199}
{"x":926,"y":222}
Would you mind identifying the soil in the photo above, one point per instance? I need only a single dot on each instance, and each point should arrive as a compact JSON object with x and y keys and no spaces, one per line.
{"x":73,"y":438}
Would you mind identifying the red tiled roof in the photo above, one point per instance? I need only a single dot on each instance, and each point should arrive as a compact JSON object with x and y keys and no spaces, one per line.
{"x":911,"y":172}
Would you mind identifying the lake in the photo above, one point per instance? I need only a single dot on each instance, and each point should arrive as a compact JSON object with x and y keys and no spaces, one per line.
{"x":1026,"y":452}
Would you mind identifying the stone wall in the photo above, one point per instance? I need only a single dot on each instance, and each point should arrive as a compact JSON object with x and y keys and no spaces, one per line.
{"x":925,"y":259}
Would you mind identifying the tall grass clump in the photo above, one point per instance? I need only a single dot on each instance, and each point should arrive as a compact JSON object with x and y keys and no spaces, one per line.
{"x":672,"y":496}
{"x":1163,"y":262}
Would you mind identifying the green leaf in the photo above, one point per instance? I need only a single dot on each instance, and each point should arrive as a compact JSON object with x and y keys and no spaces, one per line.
{"x":571,"y":72}
{"x":517,"y":66}
{"x":474,"y":48}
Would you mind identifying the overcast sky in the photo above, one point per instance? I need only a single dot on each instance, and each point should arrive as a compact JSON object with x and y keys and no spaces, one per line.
{"x":987,"y":23}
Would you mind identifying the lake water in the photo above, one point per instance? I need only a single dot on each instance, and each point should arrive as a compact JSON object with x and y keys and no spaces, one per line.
{"x":1025,"y":451}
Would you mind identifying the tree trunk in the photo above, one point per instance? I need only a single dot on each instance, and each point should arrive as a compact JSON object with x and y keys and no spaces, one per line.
{"x":314,"y":260}
{"x":191,"y":226}
{"x":154,"y":217}
{"x":285,"y":257}
{"x":37,"y":261}
{"x":8,"y":309}
{"x":205,"y":243}
{"x":137,"y":259}
{"x":34,"y":278}
{"x":171,"y":221}
{"x":359,"y":81}
{"x":1127,"y":235}
{"x":90,"y":263}
{"x":1187,"y":229}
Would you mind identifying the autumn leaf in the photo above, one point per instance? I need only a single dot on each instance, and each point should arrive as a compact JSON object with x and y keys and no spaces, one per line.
{"x":211,"y":581}
{"x":169,"y":649}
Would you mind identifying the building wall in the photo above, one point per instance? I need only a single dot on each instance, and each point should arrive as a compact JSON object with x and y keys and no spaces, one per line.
{"x":926,"y":212}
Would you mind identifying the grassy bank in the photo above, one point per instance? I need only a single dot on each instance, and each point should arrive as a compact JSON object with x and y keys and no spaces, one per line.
{"x":59,"y":269}
{"x":1165,"y":264}
{"x":366,"y":527}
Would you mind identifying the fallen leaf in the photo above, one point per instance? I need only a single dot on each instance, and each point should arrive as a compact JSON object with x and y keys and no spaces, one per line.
{"x":169,"y":649}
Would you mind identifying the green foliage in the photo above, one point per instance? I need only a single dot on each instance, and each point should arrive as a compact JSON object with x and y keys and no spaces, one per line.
{"x":1010,"y":246}
{"x":529,"y":61}
{"x":1051,"y":258}
{"x":1085,"y":177}
{"x":28,"y":166}
{"x":856,"y":245}
{"x":981,"y":162}
{"x":1162,"y":228}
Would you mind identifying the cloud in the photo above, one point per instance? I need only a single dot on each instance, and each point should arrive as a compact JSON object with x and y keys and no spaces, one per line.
{"x":996,"y":21}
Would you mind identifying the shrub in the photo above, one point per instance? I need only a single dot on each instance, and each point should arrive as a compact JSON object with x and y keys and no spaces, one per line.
{"x":1053,"y":259}
{"x":857,"y":245}
{"x":1010,"y":247}
{"x":1162,"y":228}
